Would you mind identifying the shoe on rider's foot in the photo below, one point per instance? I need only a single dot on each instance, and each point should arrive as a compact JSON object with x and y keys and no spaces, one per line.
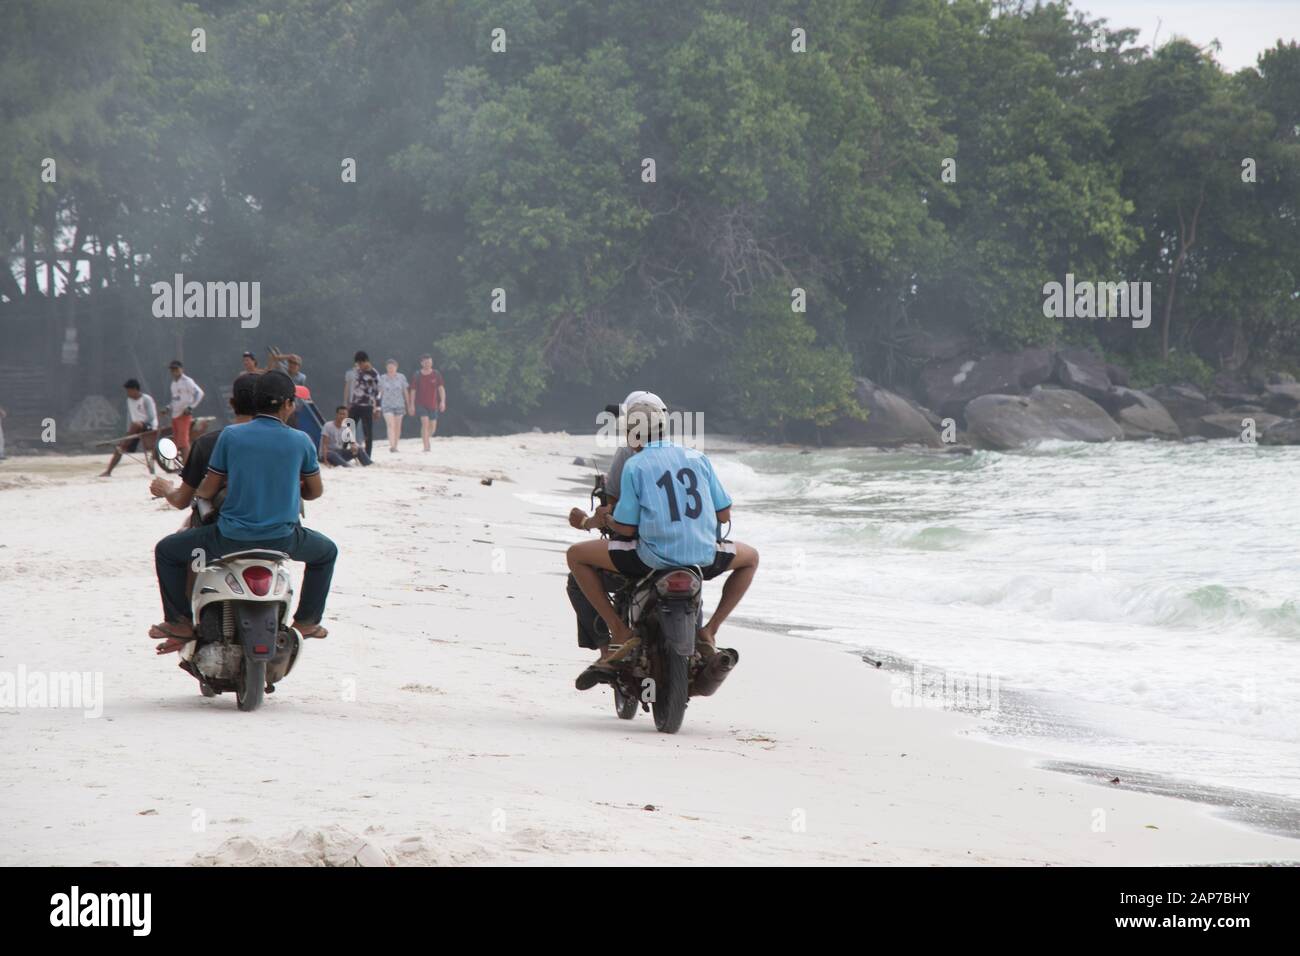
{"x":603,"y":669}
{"x":599,"y":673}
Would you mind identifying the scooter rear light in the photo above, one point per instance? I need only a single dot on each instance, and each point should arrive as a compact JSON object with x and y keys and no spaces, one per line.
{"x":258,"y":579}
{"x":232,"y":582}
{"x":679,"y":582}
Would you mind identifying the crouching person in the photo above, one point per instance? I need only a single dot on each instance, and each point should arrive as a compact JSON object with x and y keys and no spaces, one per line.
{"x":268,"y":469}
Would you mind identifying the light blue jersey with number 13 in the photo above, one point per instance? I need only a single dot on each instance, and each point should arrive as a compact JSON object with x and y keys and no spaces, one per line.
{"x":673,"y":497}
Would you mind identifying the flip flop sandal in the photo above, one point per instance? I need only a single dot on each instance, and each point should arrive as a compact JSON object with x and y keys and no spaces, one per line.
{"x":624,"y":649}
{"x":162,"y":632}
{"x":170,"y":645}
{"x":314,"y":630}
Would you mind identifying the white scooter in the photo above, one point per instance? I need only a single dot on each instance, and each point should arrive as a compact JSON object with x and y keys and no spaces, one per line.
{"x":241,"y":611}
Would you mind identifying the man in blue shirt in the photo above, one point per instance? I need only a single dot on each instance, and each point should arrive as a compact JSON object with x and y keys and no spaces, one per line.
{"x":268,"y":468}
{"x":671,"y":500}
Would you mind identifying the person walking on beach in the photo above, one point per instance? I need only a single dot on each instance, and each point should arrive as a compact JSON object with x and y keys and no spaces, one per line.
{"x":428,"y":398}
{"x":361,"y":395}
{"x":338,"y":445}
{"x":142,"y":413}
{"x":394,"y":400}
{"x":186,"y":394}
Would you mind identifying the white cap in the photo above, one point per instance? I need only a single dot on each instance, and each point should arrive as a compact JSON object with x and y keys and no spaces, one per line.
{"x":642,"y":397}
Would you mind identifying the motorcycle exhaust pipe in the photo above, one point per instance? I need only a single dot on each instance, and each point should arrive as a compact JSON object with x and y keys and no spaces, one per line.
{"x":710,"y":678}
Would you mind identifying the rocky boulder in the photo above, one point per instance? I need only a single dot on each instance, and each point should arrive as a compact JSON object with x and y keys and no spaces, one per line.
{"x":1013,"y":421}
{"x":1229,"y":424}
{"x":1185,"y":404}
{"x":1229,"y":390}
{"x":947,"y":386}
{"x":1141,"y":416}
{"x":891,"y":421}
{"x":1283,"y":399}
{"x":1084,"y":372}
{"x":1285,"y":432}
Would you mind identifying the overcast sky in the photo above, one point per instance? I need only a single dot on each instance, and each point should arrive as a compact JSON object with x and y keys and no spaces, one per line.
{"x":1244,"y":27}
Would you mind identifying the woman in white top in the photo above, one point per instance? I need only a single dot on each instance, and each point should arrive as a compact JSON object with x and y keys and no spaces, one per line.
{"x":394,"y":401}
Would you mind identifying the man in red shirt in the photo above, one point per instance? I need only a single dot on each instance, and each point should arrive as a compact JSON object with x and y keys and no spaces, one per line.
{"x":429,"y":394}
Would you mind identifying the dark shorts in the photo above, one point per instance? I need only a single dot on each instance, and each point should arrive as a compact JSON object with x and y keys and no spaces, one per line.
{"x":622,"y":554}
{"x":424,"y":411}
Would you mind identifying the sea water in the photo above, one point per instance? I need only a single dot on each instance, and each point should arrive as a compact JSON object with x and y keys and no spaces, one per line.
{"x":1130,"y":605}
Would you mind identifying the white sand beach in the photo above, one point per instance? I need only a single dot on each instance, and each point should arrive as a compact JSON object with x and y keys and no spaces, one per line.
{"x":438,"y":723}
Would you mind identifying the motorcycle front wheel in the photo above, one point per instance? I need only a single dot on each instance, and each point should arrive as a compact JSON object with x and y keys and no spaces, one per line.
{"x":250,"y":685}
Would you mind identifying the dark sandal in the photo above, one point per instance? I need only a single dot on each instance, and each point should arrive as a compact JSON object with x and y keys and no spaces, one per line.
{"x":593,"y":675}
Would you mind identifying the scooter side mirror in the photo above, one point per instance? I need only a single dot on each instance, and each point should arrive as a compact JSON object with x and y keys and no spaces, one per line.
{"x":167,"y":450}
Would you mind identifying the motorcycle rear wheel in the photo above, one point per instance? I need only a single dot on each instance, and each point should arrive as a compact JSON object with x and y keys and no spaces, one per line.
{"x":671,"y":689}
{"x":250,"y":685}
{"x":624,"y":705}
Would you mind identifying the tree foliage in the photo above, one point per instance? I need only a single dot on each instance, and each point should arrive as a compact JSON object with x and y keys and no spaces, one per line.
{"x":522,"y":173}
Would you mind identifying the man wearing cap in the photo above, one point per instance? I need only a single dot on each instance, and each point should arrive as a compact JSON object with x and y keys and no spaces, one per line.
{"x":268,"y":469}
{"x":186,"y":394}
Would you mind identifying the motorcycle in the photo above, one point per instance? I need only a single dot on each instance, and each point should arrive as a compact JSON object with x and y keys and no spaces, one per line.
{"x":669,"y":666}
{"x":665,"y":609}
{"x":241,"y":604}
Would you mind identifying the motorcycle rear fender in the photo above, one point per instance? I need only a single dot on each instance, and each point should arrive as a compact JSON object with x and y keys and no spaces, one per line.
{"x":257,"y":624}
{"x":678,"y":621}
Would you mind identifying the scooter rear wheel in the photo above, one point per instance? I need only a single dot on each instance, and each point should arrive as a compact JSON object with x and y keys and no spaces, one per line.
{"x":250,"y":685}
